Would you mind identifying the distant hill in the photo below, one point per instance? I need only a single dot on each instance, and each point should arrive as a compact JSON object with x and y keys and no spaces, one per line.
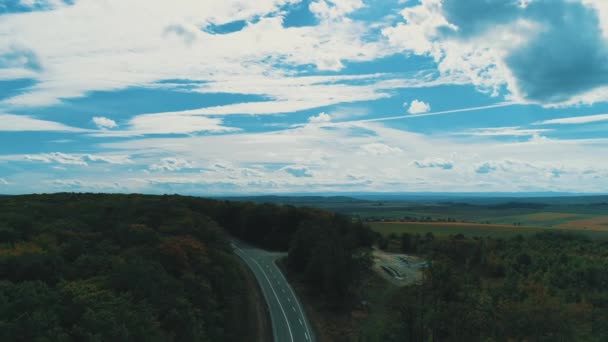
{"x":296,"y":200}
{"x":465,"y":198}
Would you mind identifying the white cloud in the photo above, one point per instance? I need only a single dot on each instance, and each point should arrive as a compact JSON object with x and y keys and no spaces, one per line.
{"x":4,"y":181}
{"x":104,"y":123}
{"x":320,"y":119}
{"x":507,"y":49}
{"x":168,"y":123}
{"x":313,"y":158}
{"x":575,"y":120}
{"x":504,"y":131}
{"x":334,"y":9}
{"x":434,"y":163}
{"x":444,"y":112}
{"x":380,"y":149}
{"x":87,"y":185}
{"x":298,"y":171}
{"x":42,"y":3}
{"x":73,"y":159}
{"x":172,"y":164}
{"x":419,"y":107}
{"x":124,"y":55}
{"x":10,"y":122}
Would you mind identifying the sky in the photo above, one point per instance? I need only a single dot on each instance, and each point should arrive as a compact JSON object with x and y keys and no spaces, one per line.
{"x":212,"y":97}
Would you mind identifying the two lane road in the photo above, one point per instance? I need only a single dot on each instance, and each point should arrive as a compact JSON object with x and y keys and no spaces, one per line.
{"x":289,"y":323}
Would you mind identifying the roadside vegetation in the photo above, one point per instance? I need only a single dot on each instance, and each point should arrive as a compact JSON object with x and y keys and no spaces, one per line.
{"x":549,"y":286}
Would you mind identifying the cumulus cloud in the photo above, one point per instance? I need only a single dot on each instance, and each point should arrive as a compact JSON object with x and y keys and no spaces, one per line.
{"x":334,"y":9}
{"x":502,"y":43}
{"x":77,"y":159}
{"x":298,"y":171}
{"x":169,"y":123}
{"x":380,"y":149}
{"x":434,"y":163}
{"x":87,"y":185}
{"x":168,"y":43}
{"x":172,"y":164}
{"x":334,"y":161}
{"x":511,"y":166}
{"x":104,"y":123}
{"x":486,"y":167}
{"x":418,"y":107}
{"x":320,"y":119}
{"x":4,"y":181}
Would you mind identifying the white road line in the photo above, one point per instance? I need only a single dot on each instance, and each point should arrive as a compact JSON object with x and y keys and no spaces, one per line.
{"x":277,"y":297}
{"x":274,"y":292}
{"x":288,"y":299}
{"x":300,"y":320}
{"x":296,"y":300}
{"x":242,"y":254}
{"x":294,"y":308}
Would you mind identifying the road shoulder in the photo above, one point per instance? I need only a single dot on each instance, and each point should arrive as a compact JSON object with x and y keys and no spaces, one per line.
{"x":259,"y":328}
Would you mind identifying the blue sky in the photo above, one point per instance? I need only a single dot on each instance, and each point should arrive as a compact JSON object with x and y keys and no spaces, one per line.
{"x":295,"y":96}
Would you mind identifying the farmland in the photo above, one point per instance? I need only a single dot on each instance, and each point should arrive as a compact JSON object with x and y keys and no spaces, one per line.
{"x":492,"y":217}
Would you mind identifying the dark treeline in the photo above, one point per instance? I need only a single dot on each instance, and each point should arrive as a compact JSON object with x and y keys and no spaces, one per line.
{"x":547,"y":287}
{"x":92,"y":267}
{"x":328,"y":249}
{"x":332,"y":253}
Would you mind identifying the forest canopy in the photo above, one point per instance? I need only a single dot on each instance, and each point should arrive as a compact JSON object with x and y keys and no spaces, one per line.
{"x":92,"y":267}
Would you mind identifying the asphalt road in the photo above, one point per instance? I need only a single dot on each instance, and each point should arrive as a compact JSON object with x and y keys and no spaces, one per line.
{"x":289,"y":323}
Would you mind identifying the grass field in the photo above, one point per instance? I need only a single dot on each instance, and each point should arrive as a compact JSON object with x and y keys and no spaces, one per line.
{"x":473,"y":229}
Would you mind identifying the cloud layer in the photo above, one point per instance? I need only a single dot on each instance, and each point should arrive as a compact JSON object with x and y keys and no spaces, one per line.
{"x":548,"y":52}
{"x":268,"y":96}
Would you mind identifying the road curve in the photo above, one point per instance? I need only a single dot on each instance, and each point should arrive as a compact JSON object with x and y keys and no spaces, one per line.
{"x":289,"y":323}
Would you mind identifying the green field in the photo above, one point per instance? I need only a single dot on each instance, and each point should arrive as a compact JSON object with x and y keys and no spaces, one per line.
{"x":472,"y":217}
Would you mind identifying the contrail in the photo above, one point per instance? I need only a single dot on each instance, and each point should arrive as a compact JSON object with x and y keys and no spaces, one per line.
{"x":411,"y":116}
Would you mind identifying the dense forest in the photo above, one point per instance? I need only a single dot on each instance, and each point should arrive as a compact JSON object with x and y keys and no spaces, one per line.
{"x":89,"y":267}
{"x":546,"y":287}
{"x":92,"y":267}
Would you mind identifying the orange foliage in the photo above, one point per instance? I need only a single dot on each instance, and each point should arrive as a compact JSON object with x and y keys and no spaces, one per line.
{"x":20,"y":248}
{"x":182,"y":250}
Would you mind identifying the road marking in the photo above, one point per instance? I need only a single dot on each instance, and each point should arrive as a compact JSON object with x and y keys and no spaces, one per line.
{"x":267,"y":298}
{"x":294,"y":308}
{"x":297,"y":302}
{"x":288,"y":299}
{"x":300,"y":320}
{"x":277,"y":297}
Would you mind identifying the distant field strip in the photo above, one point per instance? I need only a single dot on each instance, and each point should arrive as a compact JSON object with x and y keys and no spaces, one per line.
{"x":595,"y":223}
{"x":541,"y":217}
{"x":473,"y":229}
